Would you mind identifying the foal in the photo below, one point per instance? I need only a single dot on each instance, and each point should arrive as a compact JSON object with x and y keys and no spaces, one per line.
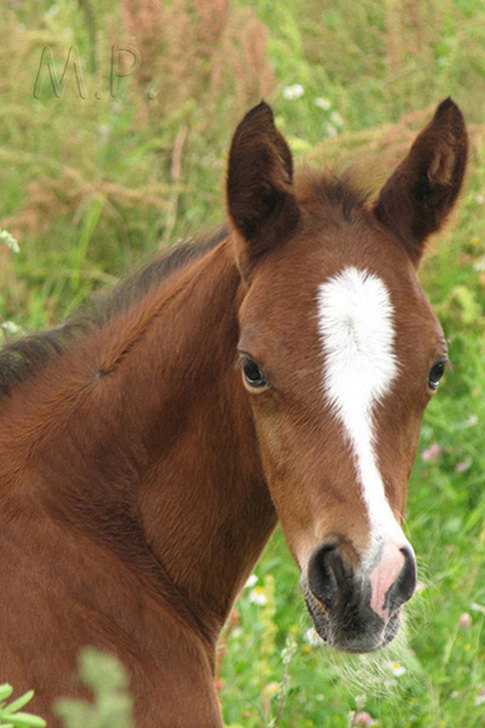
{"x":280,"y":373}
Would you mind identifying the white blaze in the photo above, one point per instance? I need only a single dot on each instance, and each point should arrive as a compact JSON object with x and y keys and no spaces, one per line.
{"x":355,"y":318}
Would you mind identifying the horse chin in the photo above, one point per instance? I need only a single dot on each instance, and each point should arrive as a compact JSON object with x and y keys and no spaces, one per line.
{"x":330,"y":629}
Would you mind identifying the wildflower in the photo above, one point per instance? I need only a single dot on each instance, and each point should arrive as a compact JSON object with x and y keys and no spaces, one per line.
{"x":9,"y":241}
{"x":257,"y":596}
{"x":465,"y":621}
{"x":323,"y":103}
{"x":470,"y":421}
{"x":396,"y":669}
{"x":288,"y":650}
{"x":477,"y":607}
{"x":363,"y":719}
{"x":480,"y":199}
{"x":479,"y":264}
{"x":432,"y":454}
{"x":480,"y":699}
{"x":336,"y":119}
{"x":420,"y":587}
{"x":10,"y":328}
{"x":293,"y":92}
{"x":330,"y":130}
{"x":311,"y":638}
{"x":251,"y":581}
{"x":270,"y":689}
{"x":464,"y":465}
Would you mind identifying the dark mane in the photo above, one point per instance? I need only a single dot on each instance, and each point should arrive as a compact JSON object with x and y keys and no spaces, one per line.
{"x":21,"y":358}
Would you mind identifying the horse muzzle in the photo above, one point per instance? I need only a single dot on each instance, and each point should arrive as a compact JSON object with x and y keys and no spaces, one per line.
{"x":358,"y":609}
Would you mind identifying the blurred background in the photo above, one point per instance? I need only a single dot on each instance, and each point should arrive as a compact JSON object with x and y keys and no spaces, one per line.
{"x":115,"y":119}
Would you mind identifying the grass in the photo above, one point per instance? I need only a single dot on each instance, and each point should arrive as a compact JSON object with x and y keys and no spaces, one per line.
{"x":92,"y":186}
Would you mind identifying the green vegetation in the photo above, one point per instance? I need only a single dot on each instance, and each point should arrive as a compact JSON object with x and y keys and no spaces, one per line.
{"x":107,"y":680}
{"x":92,"y":185}
{"x":12,"y":715}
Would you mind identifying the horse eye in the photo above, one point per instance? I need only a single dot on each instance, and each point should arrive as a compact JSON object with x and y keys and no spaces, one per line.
{"x":253,"y":374}
{"x":435,"y":374}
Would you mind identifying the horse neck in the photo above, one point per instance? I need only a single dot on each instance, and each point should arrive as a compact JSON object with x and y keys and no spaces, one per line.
{"x":159,"y":460}
{"x":205,"y":508}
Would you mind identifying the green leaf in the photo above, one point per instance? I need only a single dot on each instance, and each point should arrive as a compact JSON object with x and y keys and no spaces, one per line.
{"x":6,"y":691}
{"x":26,"y":720}
{"x":19,"y":703}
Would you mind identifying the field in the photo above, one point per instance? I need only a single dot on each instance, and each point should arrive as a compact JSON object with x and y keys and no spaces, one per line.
{"x":126,"y":153}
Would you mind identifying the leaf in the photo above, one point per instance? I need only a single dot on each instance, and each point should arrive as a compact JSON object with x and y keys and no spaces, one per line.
{"x":26,"y":720}
{"x":6,"y":691}
{"x":19,"y":703}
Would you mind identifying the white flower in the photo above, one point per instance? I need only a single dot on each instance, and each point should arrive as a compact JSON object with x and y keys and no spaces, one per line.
{"x":480,"y":699}
{"x":11,"y":328}
{"x":9,"y":241}
{"x":336,"y":119}
{"x":295,"y":91}
{"x":257,"y":596}
{"x":323,"y":103}
{"x":479,"y":264}
{"x":251,"y":581}
{"x":470,"y":421}
{"x":311,"y":637}
{"x":477,"y":607}
{"x":396,"y":669}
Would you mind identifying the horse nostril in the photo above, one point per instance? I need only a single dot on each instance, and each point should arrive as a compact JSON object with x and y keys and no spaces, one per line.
{"x":393,"y":579}
{"x":406,"y":581}
{"x":325,"y":574}
{"x":403,"y":588}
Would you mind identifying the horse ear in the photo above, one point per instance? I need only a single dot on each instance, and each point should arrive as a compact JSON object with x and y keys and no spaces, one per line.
{"x":418,"y":196}
{"x":260,"y":197}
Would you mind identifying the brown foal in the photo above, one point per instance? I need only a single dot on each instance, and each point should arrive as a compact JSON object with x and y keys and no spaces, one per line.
{"x":279,"y":372}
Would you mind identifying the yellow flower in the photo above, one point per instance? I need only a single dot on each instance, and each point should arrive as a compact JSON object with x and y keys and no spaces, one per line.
{"x":270,"y":689}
